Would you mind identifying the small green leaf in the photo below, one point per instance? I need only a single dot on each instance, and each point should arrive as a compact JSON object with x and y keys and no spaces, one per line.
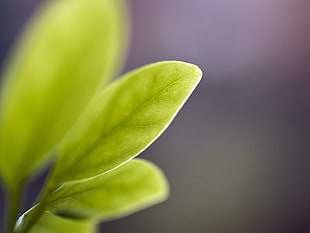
{"x":124,"y":119}
{"x":68,"y":52}
{"x":136,"y":185}
{"x":50,"y":223}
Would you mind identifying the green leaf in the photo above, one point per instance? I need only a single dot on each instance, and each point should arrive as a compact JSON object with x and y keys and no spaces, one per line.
{"x":125,"y":118}
{"x":68,"y":52}
{"x":136,"y":185}
{"x":50,"y":223}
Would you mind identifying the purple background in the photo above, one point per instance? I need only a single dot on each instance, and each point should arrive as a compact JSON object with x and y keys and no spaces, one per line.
{"x":237,"y":156}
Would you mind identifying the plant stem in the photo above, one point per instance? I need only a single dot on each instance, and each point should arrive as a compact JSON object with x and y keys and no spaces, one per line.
{"x":15,"y":195}
{"x":36,"y":212}
{"x":34,"y":215}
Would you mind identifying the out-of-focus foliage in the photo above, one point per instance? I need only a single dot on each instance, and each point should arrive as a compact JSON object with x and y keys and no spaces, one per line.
{"x":70,"y":49}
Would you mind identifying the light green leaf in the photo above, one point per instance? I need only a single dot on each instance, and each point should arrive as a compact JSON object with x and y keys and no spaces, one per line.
{"x":125,"y":118}
{"x":50,"y":223}
{"x":136,"y":185}
{"x":68,"y":52}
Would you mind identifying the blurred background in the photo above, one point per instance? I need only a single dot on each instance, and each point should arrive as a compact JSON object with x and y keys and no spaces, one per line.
{"x":237,"y":156}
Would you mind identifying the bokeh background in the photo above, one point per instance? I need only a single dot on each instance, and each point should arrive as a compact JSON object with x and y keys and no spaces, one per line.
{"x":237,"y":156}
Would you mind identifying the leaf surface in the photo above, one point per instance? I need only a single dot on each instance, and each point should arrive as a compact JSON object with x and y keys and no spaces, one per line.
{"x":69,"y":50}
{"x":50,"y":223}
{"x":135,"y":185}
{"x":124,"y":119}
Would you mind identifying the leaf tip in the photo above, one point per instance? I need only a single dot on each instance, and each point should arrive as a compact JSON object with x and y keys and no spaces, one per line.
{"x":163,"y":187}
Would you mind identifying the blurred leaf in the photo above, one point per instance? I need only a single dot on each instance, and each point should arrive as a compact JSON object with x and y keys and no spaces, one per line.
{"x":125,"y":118}
{"x":50,"y":223}
{"x":129,"y":188}
{"x":70,"y":49}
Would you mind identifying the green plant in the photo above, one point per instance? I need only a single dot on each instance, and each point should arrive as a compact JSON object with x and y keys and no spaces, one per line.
{"x":54,"y":109}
